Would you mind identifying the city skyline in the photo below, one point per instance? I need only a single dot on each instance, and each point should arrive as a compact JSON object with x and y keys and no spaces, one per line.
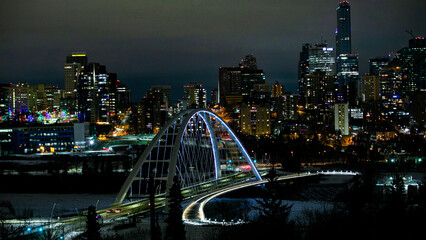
{"x":154,"y":43}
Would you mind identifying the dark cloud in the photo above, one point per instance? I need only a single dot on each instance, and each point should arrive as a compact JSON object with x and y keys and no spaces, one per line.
{"x":176,"y":42}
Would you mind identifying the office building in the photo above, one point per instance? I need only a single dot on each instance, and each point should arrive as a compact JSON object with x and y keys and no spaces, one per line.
{"x":4,"y":101}
{"x":74,"y":64}
{"x":229,"y":86}
{"x":167,"y":91}
{"x":18,"y":98}
{"x":93,"y":94}
{"x":376,"y":65}
{"x":194,"y":96}
{"x":152,"y":111}
{"x":44,"y":97}
{"x":348,"y":78}
{"x":321,"y":57}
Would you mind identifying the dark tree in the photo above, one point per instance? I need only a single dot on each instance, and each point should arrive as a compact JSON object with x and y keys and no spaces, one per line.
{"x":93,"y":229}
{"x":271,"y":209}
{"x":175,"y":228}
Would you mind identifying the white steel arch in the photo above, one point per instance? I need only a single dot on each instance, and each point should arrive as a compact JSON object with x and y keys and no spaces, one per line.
{"x":198,"y":147}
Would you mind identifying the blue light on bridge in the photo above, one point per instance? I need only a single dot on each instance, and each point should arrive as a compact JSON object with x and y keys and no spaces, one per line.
{"x":40,"y":229}
{"x":28,"y":229}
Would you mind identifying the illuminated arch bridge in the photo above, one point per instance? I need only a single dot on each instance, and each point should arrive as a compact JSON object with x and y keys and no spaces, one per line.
{"x":198,"y":147}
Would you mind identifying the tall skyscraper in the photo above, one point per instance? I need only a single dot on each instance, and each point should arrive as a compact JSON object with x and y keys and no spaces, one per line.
{"x":343,"y":30}
{"x":74,"y":64}
{"x":236,"y":84}
{"x":229,"y":85}
{"x":347,"y":63}
{"x":93,"y":94}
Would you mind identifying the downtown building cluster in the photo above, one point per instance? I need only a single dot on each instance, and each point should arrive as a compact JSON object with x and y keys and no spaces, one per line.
{"x":332,"y":96}
{"x":392,"y":91}
{"x":45,"y":118}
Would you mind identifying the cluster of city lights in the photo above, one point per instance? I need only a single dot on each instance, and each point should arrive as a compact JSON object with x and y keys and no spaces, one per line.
{"x":35,"y":117}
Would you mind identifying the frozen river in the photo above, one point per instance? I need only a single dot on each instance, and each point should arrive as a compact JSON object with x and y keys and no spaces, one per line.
{"x":44,"y":204}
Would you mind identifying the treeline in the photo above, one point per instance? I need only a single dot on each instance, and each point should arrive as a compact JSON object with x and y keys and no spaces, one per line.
{"x":64,"y":174}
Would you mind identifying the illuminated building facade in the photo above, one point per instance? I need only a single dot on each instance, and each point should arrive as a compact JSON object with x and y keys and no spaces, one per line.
{"x":320,"y":90}
{"x":74,"y":64}
{"x":18,"y":98}
{"x":370,"y":88}
{"x":341,"y":118}
{"x":43,"y":138}
{"x":194,"y":96}
{"x":321,"y":57}
{"x":93,"y":94}
{"x":44,"y":97}
{"x":277,"y":90}
{"x":151,"y":111}
{"x":376,"y":65}
{"x":229,"y":85}
{"x":255,"y":119}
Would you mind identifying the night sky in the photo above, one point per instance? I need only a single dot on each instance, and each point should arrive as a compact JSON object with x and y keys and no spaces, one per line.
{"x":177,"y":42}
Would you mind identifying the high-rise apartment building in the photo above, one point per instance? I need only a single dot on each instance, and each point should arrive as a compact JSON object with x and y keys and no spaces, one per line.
{"x":370,"y":88}
{"x":320,"y":90}
{"x":255,"y":119}
{"x":277,"y":90}
{"x":341,"y":118}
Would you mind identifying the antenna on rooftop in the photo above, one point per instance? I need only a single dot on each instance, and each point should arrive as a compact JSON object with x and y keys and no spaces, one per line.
{"x":410,"y":32}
